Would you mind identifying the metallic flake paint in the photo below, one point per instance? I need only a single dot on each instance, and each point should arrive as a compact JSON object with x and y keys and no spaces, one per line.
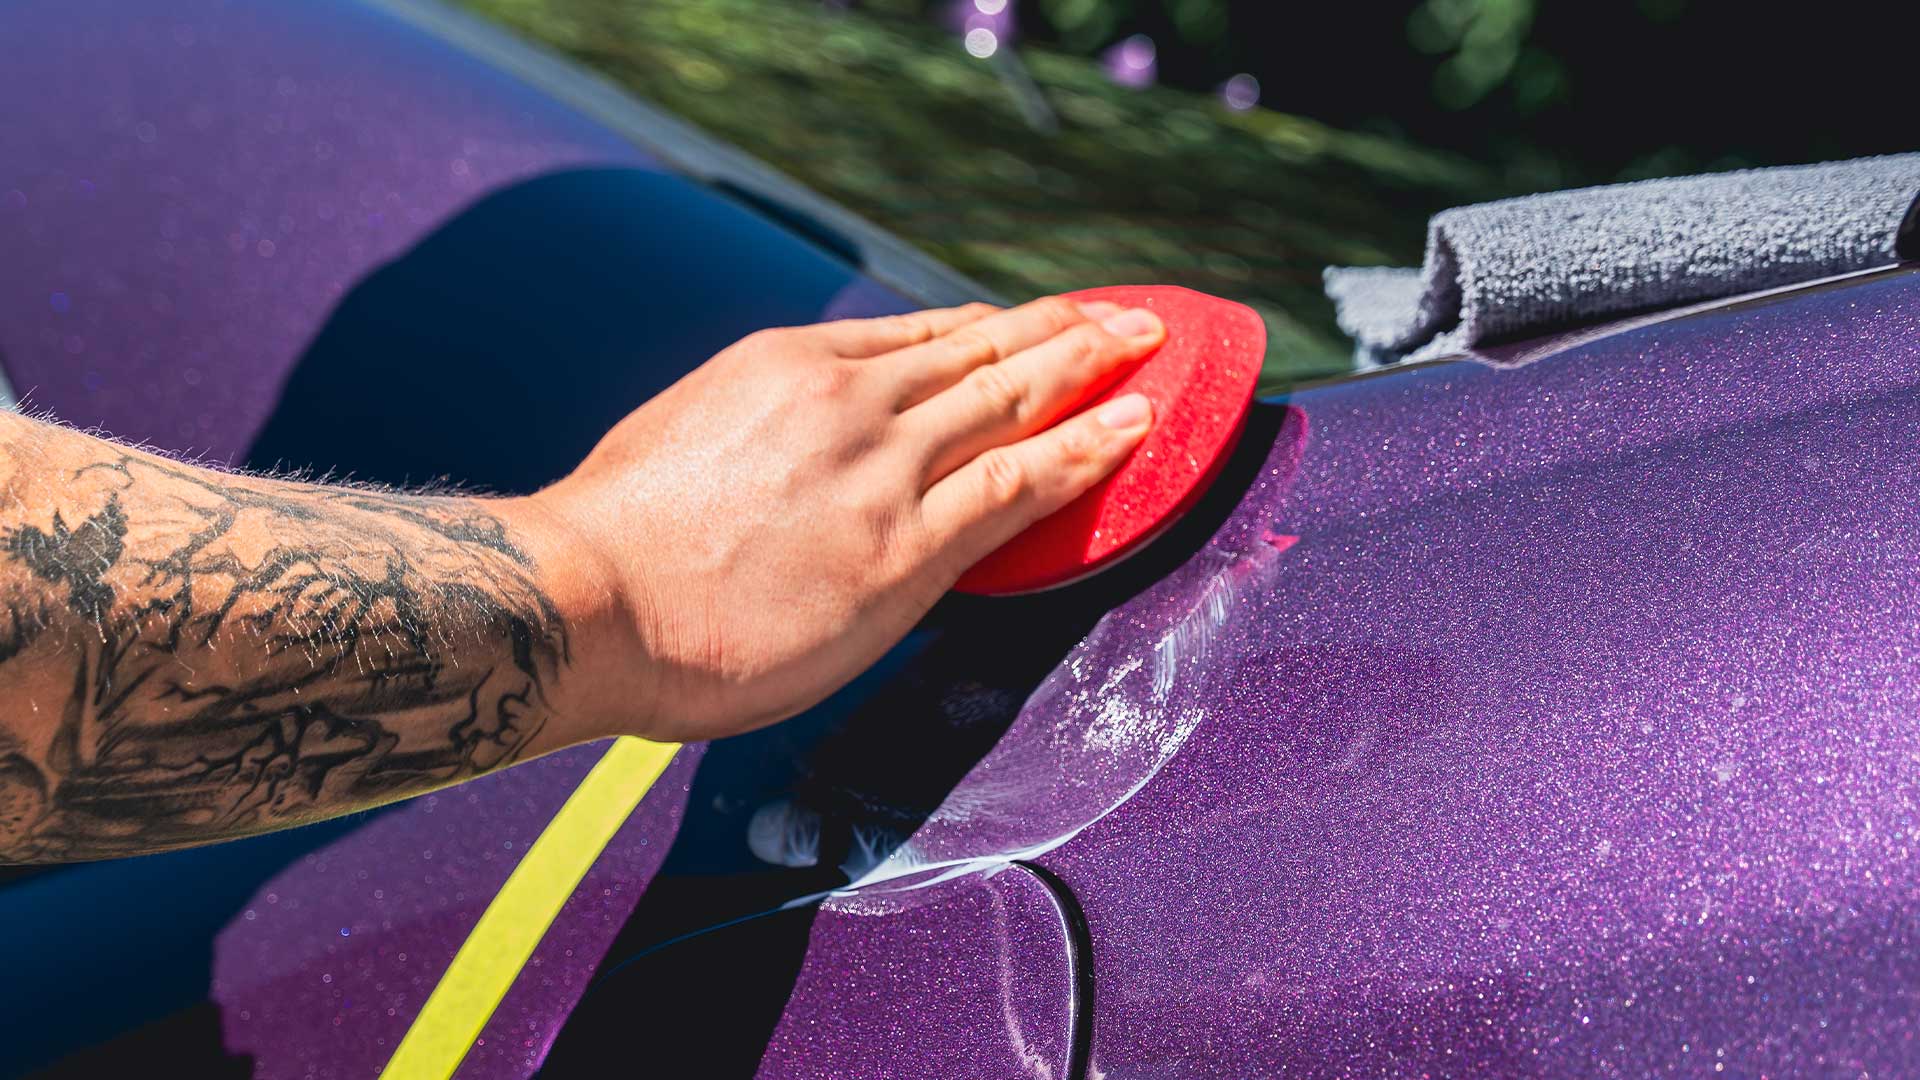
{"x":988,"y":955}
{"x":1579,"y":735}
{"x":187,"y":189}
{"x":1575,"y":735}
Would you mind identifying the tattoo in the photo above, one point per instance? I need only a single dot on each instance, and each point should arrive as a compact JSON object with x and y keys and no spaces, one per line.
{"x":77,"y":558}
{"x":243,"y":653}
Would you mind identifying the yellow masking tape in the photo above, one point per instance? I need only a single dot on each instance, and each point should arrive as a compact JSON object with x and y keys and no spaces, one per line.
{"x":525,"y":906}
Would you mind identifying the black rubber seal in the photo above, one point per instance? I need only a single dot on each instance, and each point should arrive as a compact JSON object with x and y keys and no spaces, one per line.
{"x":1080,"y":960}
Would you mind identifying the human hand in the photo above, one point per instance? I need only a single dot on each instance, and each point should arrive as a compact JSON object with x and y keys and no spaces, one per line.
{"x":767,"y":527}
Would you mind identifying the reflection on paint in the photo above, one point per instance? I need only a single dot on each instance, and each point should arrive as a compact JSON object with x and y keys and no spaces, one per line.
{"x":784,"y":833}
{"x":1032,"y":1060}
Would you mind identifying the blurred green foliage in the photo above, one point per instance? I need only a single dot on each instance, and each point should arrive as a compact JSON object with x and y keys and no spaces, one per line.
{"x":890,"y":117}
{"x":1547,"y":94}
{"x":1482,"y":42}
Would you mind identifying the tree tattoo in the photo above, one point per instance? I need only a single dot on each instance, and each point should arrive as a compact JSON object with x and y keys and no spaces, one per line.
{"x":392,"y":643}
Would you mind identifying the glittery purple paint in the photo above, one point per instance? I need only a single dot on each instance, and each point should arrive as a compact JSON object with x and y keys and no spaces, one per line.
{"x":326,"y":967}
{"x":976,"y":982}
{"x":198,"y":184}
{"x":1576,"y":736}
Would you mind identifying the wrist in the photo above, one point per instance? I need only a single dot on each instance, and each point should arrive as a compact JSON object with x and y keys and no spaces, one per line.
{"x":603,"y":686}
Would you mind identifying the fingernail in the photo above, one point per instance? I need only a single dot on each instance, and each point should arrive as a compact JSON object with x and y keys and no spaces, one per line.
{"x":1132,"y":323}
{"x":1099,"y":309}
{"x":1126,"y":411}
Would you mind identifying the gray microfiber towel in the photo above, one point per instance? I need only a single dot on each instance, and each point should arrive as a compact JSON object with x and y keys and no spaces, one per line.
{"x":1507,"y":269}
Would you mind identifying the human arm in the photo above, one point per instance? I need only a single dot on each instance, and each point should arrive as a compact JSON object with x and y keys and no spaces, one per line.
{"x":188,"y":654}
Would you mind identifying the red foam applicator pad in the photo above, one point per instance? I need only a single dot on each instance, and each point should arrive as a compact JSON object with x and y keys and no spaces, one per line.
{"x":1201,"y":383}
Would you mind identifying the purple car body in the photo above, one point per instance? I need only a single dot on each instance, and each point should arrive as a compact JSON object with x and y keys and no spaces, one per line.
{"x":1554,"y":718}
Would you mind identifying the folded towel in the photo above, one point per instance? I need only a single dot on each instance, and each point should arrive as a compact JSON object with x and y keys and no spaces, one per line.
{"x":1507,"y":269}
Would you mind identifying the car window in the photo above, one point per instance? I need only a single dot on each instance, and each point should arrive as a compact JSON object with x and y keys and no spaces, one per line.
{"x":1034,"y":174}
{"x":564,"y":301}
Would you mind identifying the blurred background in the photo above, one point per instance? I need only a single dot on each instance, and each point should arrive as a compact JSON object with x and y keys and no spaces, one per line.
{"x":1235,"y":146}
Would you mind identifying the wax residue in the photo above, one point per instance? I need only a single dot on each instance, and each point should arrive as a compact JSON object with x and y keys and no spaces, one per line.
{"x":1105,"y":721}
{"x":1096,"y":731}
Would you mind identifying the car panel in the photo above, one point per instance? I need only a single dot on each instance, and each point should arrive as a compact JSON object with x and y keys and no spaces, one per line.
{"x":328,"y":962}
{"x":1574,"y":736}
{"x":190,"y":189}
{"x":996,"y":951}
{"x":1376,"y":795}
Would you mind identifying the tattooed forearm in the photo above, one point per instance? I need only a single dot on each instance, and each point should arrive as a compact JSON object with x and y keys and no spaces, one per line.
{"x":187,"y":655}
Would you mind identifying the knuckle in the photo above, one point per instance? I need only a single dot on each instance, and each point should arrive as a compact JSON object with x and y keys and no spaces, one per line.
{"x":901,"y":544}
{"x":780,"y":343}
{"x":972,"y":346}
{"x":881,"y":524}
{"x":757,"y":343}
{"x":1075,"y":446}
{"x":979,"y":309}
{"x":1004,"y":477}
{"x":1090,"y":346}
{"x":906,"y":329}
{"x":1002,"y":393}
{"x":1059,"y":312}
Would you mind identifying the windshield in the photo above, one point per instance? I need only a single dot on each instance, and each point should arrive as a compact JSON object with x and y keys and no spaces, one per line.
{"x":1031,"y":174}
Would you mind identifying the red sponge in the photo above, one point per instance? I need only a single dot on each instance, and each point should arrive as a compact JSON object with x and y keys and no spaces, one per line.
{"x":1201,"y":383}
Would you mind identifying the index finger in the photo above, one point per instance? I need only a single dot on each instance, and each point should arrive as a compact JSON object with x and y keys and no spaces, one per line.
{"x":858,"y":339}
